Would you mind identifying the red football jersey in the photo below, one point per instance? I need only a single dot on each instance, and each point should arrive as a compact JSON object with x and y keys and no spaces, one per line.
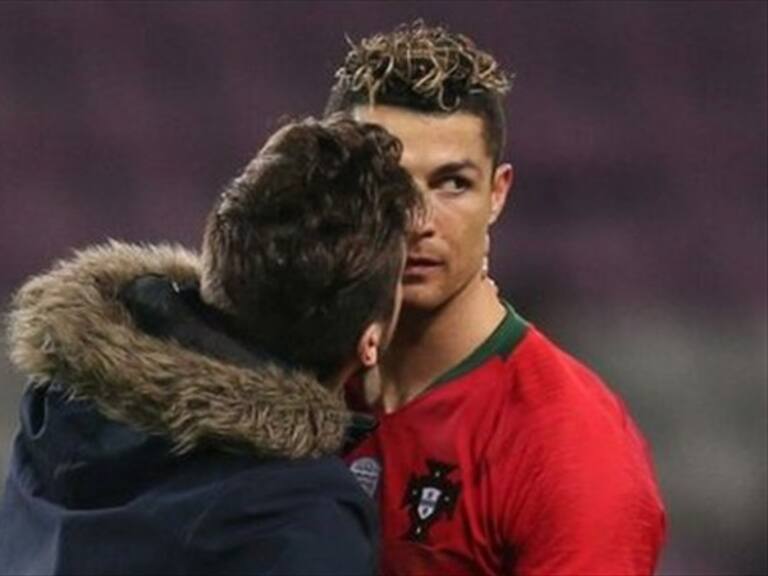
{"x":518,"y":461}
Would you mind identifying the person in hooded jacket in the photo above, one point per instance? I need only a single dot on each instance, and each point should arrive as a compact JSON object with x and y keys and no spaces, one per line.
{"x":183,"y":412}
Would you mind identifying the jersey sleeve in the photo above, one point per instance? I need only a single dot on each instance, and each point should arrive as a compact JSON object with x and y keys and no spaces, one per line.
{"x":579,"y":495}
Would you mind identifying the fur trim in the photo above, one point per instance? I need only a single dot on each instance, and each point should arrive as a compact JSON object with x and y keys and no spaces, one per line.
{"x":68,"y":322}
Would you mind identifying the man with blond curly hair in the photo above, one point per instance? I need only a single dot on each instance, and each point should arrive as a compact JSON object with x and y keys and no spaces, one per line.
{"x":496,"y":451}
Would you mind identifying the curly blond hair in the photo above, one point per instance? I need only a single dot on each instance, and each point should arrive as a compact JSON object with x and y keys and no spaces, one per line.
{"x":431,"y":61}
{"x":426,"y":68}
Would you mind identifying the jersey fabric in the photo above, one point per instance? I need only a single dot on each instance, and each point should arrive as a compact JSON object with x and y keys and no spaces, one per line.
{"x":518,"y":461}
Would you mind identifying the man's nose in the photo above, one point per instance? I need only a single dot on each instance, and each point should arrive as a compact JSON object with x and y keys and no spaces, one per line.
{"x":424,"y":223}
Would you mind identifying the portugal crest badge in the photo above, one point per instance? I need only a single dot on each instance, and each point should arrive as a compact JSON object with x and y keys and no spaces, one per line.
{"x":430,"y":497}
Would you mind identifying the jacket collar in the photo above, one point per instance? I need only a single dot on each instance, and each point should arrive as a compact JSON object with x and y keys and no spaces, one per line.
{"x":71,"y":323}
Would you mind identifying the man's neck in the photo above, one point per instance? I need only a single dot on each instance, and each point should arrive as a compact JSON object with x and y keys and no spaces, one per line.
{"x":429,"y":343}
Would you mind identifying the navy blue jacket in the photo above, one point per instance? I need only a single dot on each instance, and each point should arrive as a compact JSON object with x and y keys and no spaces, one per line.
{"x":137,"y":455}
{"x":86,"y":495}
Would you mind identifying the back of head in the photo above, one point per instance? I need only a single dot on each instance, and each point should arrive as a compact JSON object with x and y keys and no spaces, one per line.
{"x":303,"y":250}
{"x":426,"y":69}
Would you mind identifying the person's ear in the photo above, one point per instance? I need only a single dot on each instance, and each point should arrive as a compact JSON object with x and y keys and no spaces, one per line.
{"x":503,"y":178}
{"x":369,"y":344}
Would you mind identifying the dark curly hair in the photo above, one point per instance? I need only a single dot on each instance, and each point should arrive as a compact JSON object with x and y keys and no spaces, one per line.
{"x":303,"y":250}
{"x":427,"y":69}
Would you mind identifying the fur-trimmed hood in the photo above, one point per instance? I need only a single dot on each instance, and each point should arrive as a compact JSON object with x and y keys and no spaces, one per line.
{"x":70,"y":324}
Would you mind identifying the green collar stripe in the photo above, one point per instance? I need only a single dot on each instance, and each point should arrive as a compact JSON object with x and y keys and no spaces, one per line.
{"x":501,"y":343}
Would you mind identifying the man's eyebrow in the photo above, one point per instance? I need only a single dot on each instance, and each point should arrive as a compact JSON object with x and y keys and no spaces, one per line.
{"x":454,"y":167}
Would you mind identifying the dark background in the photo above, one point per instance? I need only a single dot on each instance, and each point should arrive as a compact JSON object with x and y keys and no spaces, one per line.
{"x":635,"y":236}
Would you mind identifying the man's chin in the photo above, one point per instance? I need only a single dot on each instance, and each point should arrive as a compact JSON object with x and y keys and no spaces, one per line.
{"x":423,"y":298}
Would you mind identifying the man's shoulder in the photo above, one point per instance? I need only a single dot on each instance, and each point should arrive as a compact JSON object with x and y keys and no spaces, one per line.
{"x":281,"y":492}
{"x":521,"y":370}
{"x":560,"y":410}
{"x":275,"y":514}
{"x":553,"y":400}
{"x":520,"y":355}
{"x":288,"y":480}
{"x":541,"y":370}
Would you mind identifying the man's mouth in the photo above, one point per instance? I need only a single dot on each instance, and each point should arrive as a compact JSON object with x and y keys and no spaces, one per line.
{"x":420,"y":264}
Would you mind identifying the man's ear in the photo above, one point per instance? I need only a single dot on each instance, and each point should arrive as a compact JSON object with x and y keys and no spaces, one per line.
{"x":369,"y":344}
{"x":503,"y":178}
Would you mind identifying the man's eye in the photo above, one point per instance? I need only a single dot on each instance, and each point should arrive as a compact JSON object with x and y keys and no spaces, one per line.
{"x":454,"y":185}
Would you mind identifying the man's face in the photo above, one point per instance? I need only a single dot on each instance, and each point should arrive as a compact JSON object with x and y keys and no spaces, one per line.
{"x":448,"y":159}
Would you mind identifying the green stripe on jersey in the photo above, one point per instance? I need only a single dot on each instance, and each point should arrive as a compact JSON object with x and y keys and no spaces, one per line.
{"x":500,"y":343}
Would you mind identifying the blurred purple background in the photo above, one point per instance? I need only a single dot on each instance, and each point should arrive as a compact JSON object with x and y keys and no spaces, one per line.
{"x":636,"y":234}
